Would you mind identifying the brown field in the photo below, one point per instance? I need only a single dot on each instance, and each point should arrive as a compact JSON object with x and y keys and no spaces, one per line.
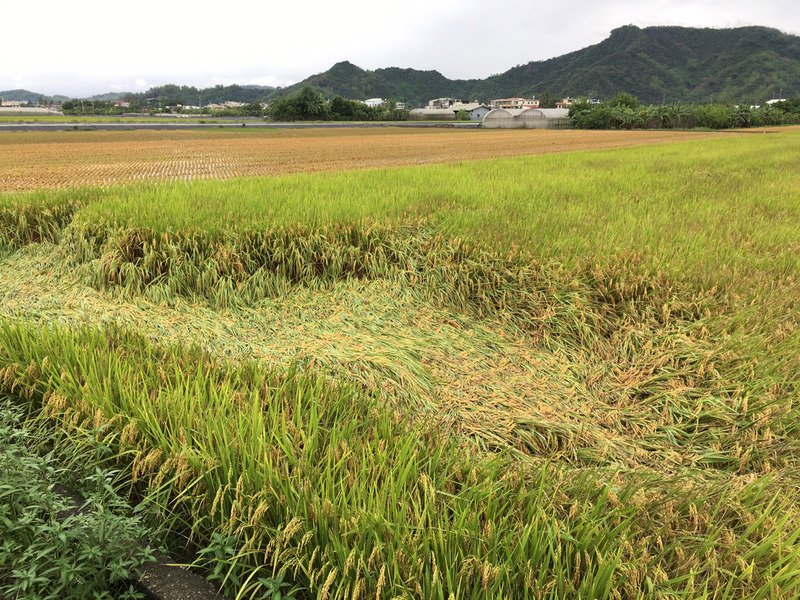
{"x":37,"y":160}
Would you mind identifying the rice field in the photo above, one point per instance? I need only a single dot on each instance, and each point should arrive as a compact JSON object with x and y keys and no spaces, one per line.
{"x":37,"y":160}
{"x":543,"y":375}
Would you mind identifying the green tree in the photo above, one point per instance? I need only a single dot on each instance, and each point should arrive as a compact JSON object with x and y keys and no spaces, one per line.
{"x":311,"y":104}
{"x":547,"y":101}
{"x":625,"y":100}
{"x":283,"y":109}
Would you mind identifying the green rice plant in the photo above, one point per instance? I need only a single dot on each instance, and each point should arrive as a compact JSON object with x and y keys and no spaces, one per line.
{"x":36,"y":217}
{"x":716,"y":211}
{"x":643,"y":444}
{"x":322,"y":482}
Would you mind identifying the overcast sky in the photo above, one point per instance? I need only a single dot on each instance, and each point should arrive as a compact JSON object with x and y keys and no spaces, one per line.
{"x":90,"y":47}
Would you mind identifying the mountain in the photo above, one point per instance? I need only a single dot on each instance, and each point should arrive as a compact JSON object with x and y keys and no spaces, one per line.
{"x":170,"y":95}
{"x":411,"y":85}
{"x":745,"y":64}
{"x":162,"y":95}
{"x":27,"y":96}
{"x":109,"y":96}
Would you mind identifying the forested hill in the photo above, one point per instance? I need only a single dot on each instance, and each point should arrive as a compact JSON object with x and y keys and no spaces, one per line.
{"x":28,"y":96}
{"x":171,"y":95}
{"x":744,"y":65}
{"x":163,"y":95}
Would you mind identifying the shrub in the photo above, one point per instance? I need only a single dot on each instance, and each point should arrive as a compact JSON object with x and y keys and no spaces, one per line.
{"x":44,"y":554}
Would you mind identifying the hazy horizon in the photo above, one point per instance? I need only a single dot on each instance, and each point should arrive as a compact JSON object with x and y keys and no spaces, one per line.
{"x":82,"y":51}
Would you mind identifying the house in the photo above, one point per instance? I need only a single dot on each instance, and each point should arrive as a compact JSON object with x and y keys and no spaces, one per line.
{"x":11,"y":103}
{"x":374,"y":102}
{"x":400,"y":105}
{"x":565,"y":103}
{"x":479,"y":112}
{"x":514,"y":103}
{"x":476,"y":110}
{"x":121,"y":104}
{"x":441,"y":103}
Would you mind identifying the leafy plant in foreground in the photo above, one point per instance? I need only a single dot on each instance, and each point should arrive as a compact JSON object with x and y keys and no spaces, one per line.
{"x":44,"y":554}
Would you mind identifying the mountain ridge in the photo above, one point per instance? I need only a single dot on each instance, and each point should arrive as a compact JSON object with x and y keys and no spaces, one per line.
{"x":657,"y":64}
{"x":654,"y":63}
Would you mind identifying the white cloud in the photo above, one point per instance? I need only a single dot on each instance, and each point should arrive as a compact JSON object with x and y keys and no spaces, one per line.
{"x":91,"y":47}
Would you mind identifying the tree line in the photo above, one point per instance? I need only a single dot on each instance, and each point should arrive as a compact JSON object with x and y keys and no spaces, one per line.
{"x":107,"y":108}
{"x":308,"y":104}
{"x":624,"y":111}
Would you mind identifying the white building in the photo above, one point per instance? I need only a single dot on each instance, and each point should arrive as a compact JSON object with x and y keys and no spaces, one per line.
{"x":476,"y":110}
{"x":514,"y":103}
{"x":479,"y":112}
{"x":442,"y":103}
{"x":374,"y":102}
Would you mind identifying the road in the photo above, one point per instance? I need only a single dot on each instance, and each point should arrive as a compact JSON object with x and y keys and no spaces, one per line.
{"x":114,"y":126}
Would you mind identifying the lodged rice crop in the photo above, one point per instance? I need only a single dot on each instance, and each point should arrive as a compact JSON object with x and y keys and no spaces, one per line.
{"x":570,"y":376}
{"x":318,"y":480}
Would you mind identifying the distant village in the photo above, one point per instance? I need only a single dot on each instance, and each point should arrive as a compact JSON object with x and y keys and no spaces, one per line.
{"x":501,"y":112}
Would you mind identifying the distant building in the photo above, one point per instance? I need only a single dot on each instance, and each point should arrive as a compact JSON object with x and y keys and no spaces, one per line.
{"x":514,"y":103}
{"x":12,"y":103}
{"x":432,"y":114}
{"x":122,"y":104}
{"x":476,"y":110}
{"x":374,"y":102}
{"x":442,"y":103}
{"x":527,"y":118}
{"x":400,"y":105}
{"x":479,"y":112}
{"x":773,"y":101}
{"x":567,"y":102}
{"x":19,"y":111}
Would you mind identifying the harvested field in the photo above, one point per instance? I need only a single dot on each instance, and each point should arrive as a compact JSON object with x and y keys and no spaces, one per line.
{"x":99,"y":158}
